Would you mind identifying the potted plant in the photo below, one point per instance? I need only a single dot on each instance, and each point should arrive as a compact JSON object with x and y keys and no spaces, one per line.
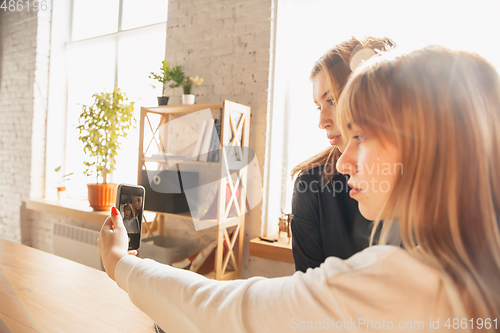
{"x":101,"y":126}
{"x":61,"y":183}
{"x":187,"y":85}
{"x":168,"y":74}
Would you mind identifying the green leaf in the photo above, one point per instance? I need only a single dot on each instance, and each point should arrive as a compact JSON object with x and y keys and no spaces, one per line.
{"x":168,"y":74}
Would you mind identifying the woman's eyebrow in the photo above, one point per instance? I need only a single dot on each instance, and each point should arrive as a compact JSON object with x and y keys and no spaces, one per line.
{"x":323,"y":96}
{"x":349,"y":126}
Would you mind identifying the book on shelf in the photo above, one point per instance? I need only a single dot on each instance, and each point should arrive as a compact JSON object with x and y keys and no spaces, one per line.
{"x":162,"y":156}
{"x":213,"y":155}
{"x":207,"y":138}
{"x":215,"y":145}
{"x":208,"y":145}
{"x":197,"y":147}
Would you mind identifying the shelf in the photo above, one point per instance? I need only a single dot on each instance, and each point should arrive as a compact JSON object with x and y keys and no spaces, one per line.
{"x":169,"y":109}
{"x":75,"y":209}
{"x":172,"y":160}
{"x":280,"y":250}
{"x":234,"y":120}
{"x":176,"y":160}
{"x":80,"y":210}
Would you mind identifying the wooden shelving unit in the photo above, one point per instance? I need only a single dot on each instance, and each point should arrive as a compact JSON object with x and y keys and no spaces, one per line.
{"x":229,"y":223}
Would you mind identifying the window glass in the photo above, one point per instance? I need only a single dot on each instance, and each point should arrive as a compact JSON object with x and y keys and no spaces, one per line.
{"x":91,"y":68}
{"x":138,"y":57}
{"x":325,"y":23}
{"x":98,"y":57}
{"x":93,"y":18}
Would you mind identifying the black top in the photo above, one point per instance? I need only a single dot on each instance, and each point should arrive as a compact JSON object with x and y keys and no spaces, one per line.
{"x":325,"y":221}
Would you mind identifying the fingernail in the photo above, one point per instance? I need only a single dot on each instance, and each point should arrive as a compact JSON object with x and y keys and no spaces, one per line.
{"x":114,"y":211}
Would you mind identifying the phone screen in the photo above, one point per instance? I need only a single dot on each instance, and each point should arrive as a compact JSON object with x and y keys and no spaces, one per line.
{"x":131,"y":204}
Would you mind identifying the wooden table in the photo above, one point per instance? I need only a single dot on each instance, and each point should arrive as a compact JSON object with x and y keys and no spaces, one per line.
{"x":41,"y":292}
{"x":280,"y":250}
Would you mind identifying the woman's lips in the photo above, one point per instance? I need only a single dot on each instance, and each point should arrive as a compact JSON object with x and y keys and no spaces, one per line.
{"x":354,"y":191}
{"x":334,"y":140}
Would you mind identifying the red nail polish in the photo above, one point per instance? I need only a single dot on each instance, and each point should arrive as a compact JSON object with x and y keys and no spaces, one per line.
{"x":114,"y":211}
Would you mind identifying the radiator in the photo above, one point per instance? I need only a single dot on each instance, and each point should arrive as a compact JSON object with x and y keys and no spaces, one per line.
{"x":77,"y":244}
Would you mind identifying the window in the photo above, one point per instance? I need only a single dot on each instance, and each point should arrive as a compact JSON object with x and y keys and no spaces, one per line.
{"x":307,"y":29}
{"x":97,"y":44}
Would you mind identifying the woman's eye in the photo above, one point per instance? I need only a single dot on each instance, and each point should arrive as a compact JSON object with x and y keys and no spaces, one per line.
{"x":359,"y":138}
{"x":331,"y":101}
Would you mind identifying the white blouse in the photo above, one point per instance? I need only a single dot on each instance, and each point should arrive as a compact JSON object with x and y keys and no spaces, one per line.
{"x":382,"y":288}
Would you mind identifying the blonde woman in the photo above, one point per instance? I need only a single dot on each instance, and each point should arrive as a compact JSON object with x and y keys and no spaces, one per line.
{"x":325,"y":221}
{"x":423,"y":134}
{"x":433,"y":117}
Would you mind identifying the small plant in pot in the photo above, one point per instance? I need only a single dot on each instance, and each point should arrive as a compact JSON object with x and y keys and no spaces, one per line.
{"x":166,"y":75}
{"x":101,"y":126}
{"x":187,"y":86}
{"x":61,"y":182}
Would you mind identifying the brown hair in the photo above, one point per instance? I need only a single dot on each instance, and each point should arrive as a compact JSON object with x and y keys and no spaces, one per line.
{"x":441,"y":109}
{"x":131,"y":208}
{"x":336,"y":64}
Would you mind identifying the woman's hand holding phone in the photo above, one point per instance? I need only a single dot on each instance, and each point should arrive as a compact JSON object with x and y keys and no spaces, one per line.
{"x":113,"y":242}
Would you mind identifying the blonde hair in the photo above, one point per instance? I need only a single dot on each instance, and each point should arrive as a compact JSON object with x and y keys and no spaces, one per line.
{"x":441,"y":109}
{"x":336,"y":65}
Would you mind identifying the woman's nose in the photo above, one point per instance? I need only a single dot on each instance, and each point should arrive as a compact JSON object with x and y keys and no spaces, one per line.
{"x":324,"y":123}
{"x":323,"y":126}
{"x":346,"y":164}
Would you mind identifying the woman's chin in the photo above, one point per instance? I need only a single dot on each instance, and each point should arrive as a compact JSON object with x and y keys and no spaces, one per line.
{"x":367,"y":212}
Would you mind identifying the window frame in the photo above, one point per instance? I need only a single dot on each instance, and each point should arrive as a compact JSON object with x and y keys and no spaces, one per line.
{"x":58,"y":103}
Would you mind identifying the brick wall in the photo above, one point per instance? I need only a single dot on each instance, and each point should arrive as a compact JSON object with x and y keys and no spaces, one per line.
{"x":229,"y":45}
{"x":23,"y":88}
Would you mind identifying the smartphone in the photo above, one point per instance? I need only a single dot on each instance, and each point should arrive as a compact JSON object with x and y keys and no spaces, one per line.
{"x":130,"y":204}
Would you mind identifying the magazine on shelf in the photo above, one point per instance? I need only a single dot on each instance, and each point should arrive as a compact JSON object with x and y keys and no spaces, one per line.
{"x":215,"y":145}
{"x":213,"y":155}
{"x":197,"y":147}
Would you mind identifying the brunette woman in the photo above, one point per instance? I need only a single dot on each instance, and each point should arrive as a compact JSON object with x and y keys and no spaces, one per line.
{"x":325,"y":221}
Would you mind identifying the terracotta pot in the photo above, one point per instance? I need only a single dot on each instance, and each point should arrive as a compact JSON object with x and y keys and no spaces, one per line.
{"x":102,"y":196}
{"x":61,"y":193}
